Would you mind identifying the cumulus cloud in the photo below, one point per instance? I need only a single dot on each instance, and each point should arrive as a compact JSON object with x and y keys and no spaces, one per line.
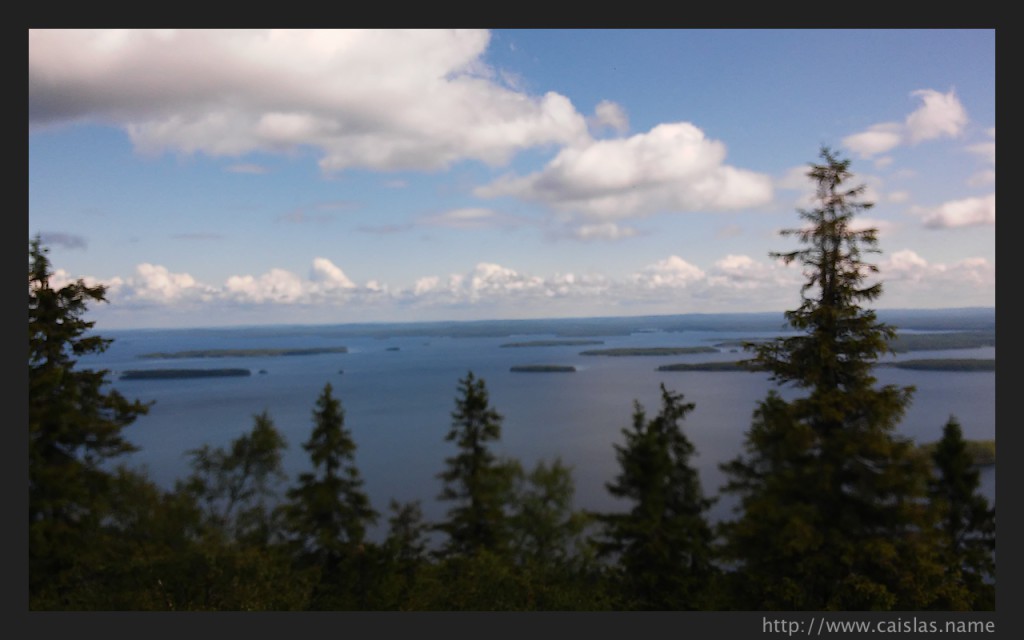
{"x":673,"y":167}
{"x":940,"y":115}
{"x":969,"y":212}
{"x":610,"y":115}
{"x":329,"y":275}
{"x":670,"y":272}
{"x":381,"y":99}
{"x":671,"y":285}
{"x":913,"y":280}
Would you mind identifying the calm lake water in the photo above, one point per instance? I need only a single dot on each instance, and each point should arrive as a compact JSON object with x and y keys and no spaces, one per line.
{"x":398,"y":393}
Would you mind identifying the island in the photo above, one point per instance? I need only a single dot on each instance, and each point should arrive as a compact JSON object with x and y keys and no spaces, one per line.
{"x":242,"y":353}
{"x":942,"y":340}
{"x":648,"y":351}
{"x":542,"y":368}
{"x":166,"y":374}
{"x":944,"y":364}
{"x":551,"y":343}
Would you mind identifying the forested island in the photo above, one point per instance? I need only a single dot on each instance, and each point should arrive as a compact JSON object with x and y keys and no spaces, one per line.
{"x":241,"y":353}
{"x":648,"y":351}
{"x":940,"y":341}
{"x":944,"y":364}
{"x":542,"y":368}
{"x":166,"y":374}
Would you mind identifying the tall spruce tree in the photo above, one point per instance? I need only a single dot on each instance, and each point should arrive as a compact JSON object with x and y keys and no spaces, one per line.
{"x":662,"y":545}
{"x":75,"y":426}
{"x":832,"y":509}
{"x":966,"y":520}
{"x":475,"y":479}
{"x":327,"y":513}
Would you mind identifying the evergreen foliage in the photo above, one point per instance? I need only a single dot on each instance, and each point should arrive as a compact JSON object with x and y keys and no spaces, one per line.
{"x":475,"y":479}
{"x":327,"y":512}
{"x":75,"y":424}
{"x":832,"y":511}
{"x":966,"y":520}
{"x":662,"y":545}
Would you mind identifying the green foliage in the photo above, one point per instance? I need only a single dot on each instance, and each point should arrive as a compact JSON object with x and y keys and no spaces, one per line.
{"x":546,"y":531}
{"x":832,"y":509}
{"x":235,"y":484}
{"x":662,"y":544}
{"x":75,"y":424}
{"x":966,"y":520}
{"x":474,"y":479}
{"x":327,"y":512}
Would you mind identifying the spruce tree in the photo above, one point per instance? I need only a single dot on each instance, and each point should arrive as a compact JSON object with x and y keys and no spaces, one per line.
{"x":475,"y":479}
{"x":832,"y":507}
{"x":662,"y":545}
{"x":76,"y":426}
{"x":327,"y":512}
{"x":966,"y":520}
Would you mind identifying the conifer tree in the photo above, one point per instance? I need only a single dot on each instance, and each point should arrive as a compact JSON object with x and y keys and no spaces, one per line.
{"x":831,"y":502}
{"x":75,"y":424}
{"x":967,"y":522}
{"x":662,"y":545}
{"x":475,"y":479}
{"x":327,"y":512}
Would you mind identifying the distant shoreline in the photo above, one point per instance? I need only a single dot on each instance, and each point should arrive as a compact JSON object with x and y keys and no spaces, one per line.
{"x":932,"y":364}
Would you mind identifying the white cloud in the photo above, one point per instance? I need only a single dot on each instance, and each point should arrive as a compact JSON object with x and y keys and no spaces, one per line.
{"x":383,"y":99}
{"x":673,"y":167}
{"x":672,"y":285}
{"x":879,"y":138}
{"x":912,"y":281}
{"x":330,"y":276}
{"x":671,"y":272}
{"x":968,"y":212}
{"x":277,"y":285}
{"x":610,"y":115}
{"x":940,"y":115}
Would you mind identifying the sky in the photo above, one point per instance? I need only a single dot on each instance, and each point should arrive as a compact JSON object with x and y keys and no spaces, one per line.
{"x":250,"y":177}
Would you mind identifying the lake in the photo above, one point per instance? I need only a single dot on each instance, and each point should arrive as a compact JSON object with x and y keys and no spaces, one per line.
{"x":398,"y":384}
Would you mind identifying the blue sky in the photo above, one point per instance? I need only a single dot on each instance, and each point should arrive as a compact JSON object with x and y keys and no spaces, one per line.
{"x":249,"y":177}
